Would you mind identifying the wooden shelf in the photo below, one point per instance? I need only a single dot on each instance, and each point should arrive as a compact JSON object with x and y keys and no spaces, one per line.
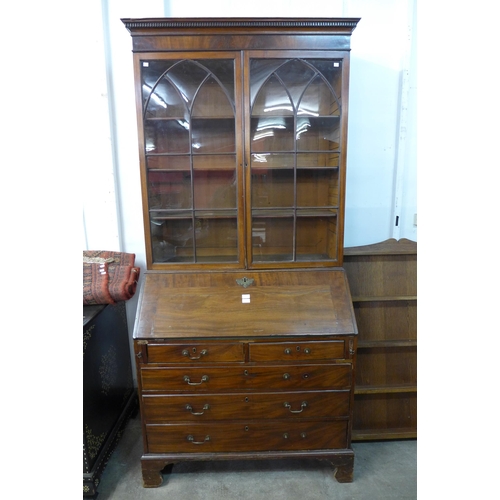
{"x":177,"y":118}
{"x":395,"y":389}
{"x":374,"y":344}
{"x":289,"y":212}
{"x":386,"y":298}
{"x":158,"y":214}
{"x":379,"y":434}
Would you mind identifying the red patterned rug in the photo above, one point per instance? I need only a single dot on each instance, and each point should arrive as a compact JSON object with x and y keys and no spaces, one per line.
{"x":108,"y":277}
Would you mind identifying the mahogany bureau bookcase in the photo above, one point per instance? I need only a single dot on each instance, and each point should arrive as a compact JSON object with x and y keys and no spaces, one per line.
{"x":245,"y":336}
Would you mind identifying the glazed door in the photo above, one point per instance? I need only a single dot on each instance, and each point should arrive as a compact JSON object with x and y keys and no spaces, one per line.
{"x":191,"y":158}
{"x":296,"y":133}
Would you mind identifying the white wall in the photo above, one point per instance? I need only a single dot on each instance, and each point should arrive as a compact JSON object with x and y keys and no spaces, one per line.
{"x":381,"y":179}
{"x":381,"y":159}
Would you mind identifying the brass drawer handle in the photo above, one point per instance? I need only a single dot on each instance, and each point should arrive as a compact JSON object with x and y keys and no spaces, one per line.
{"x":286,"y":376}
{"x":188,"y":380}
{"x":190,"y":438}
{"x":204,"y":352}
{"x":307,"y":350}
{"x":190,"y":408}
{"x":303,"y":435}
{"x":302,"y":406}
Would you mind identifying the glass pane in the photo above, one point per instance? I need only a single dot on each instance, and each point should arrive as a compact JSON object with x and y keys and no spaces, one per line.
{"x":318,"y":100}
{"x":318,"y":134}
{"x":214,"y":189}
{"x":164,"y":101}
{"x":272,"y":239}
{"x":316,"y":238}
{"x":331,"y":69}
{"x":260,"y":71}
{"x":214,"y":162}
{"x":317,"y":188}
{"x":211,"y":101}
{"x":272,"y":188}
{"x":295,"y":75}
{"x":272,"y":160}
{"x":216,"y":239}
{"x":169,"y":190}
{"x":272,"y":134}
{"x":223,"y":71}
{"x":172,"y":240}
{"x":273,"y":100}
{"x":151,"y":72}
{"x":167,"y":136}
{"x":187,"y":76}
{"x":169,"y":162}
{"x":213,"y":136}
{"x":315,"y":160}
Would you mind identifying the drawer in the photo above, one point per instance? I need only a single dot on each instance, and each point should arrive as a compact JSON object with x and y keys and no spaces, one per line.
{"x":274,"y":435}
{"x":296,"y":351}
{"x":198,"y":352}
{"x":246,"y":406}
{"x":231,"y":378}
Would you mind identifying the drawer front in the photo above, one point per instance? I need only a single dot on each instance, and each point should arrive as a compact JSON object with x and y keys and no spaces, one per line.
{"x":296,"y":351}
{"x":198,"y":352}
{"x":246,"y":406}
{"x":230,"y":378}
{"x":276,"y":435}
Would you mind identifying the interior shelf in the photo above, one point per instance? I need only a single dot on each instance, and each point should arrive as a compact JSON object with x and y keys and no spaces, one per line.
{"x":177,"y":118}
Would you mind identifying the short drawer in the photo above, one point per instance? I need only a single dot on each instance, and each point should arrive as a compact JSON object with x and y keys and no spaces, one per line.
{"x":247,"y":436}
{"x":277,"y":405}
{"x":231,"y":378}
{"x":196,"y":352}
{"x":296,"y":351}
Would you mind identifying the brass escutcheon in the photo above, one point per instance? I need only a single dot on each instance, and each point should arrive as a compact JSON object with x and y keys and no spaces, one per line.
{"x":245,"y":282}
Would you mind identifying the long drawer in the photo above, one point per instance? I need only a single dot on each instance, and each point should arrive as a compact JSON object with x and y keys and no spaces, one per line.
{"x":276,"y":405}
{"x":231,"y":378}
{"x":247,"y":436}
